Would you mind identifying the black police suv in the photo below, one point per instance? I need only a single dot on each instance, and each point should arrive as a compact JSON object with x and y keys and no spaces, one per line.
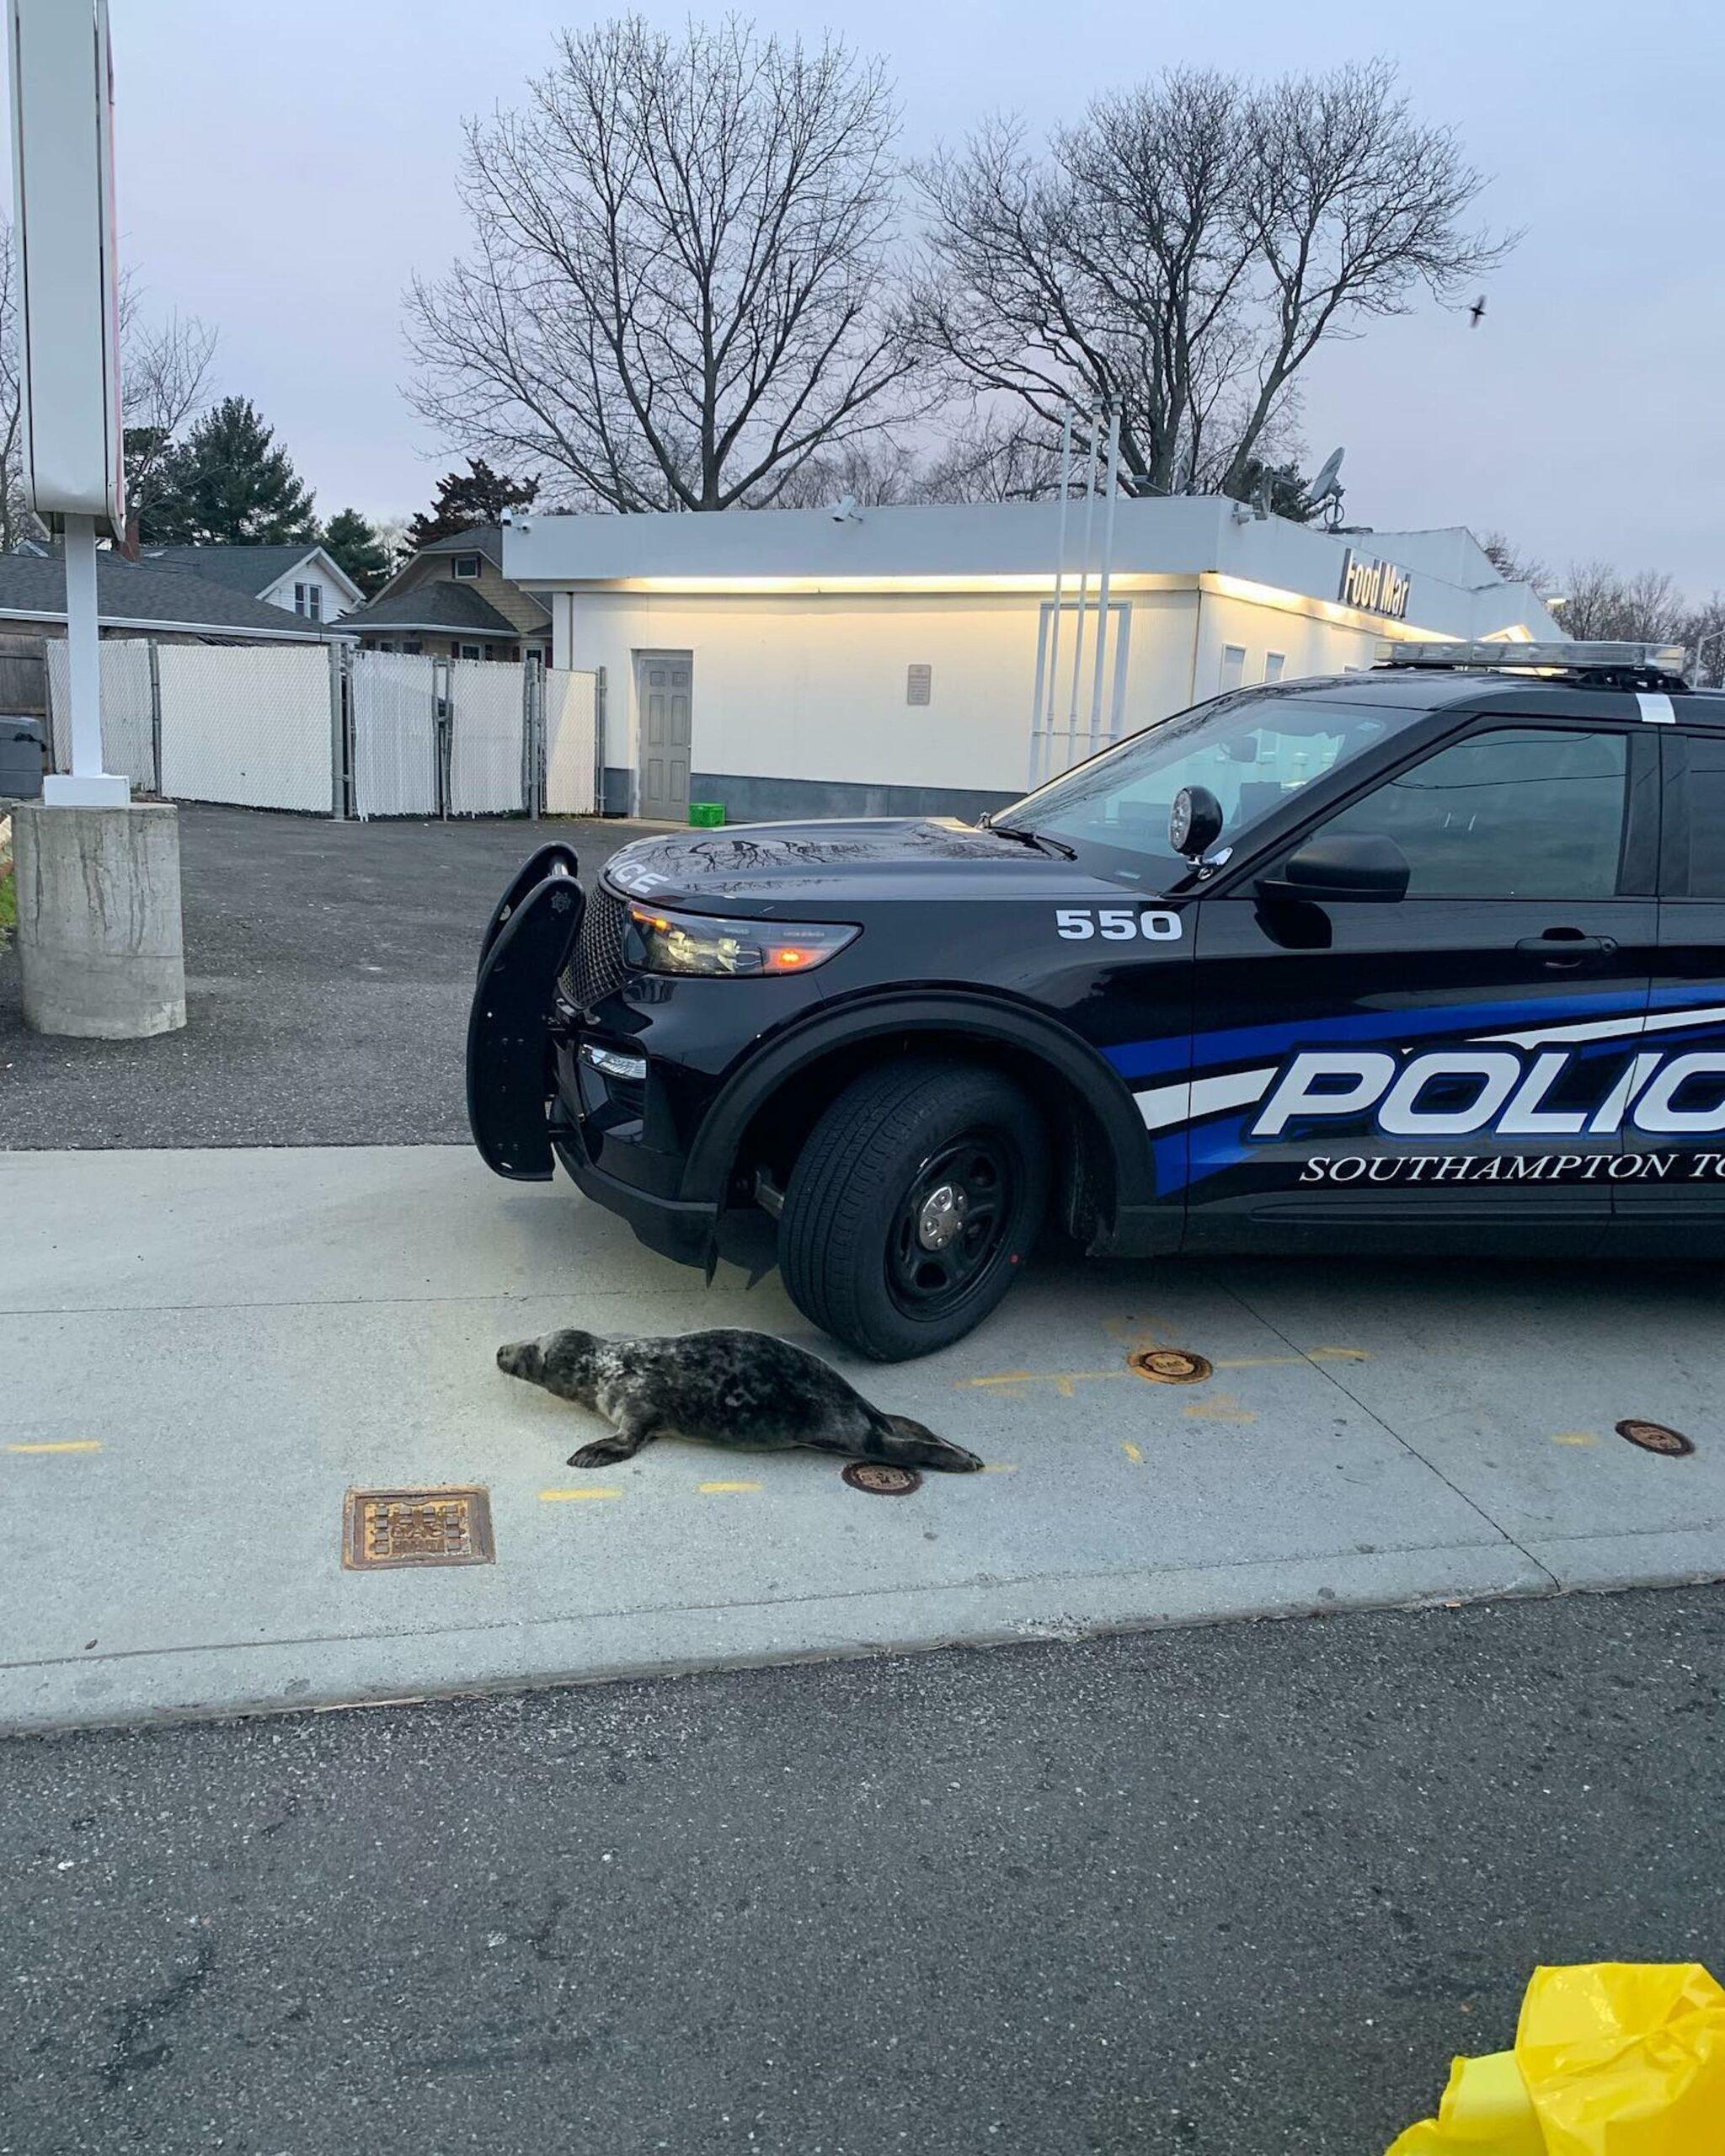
{"x":1429,"y":958}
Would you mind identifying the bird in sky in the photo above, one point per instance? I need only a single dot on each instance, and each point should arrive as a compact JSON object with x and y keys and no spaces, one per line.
{"x":1476,"y":314}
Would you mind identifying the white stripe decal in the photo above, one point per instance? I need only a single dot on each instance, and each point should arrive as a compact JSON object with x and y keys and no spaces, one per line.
{"x":1605,"y":1029}
{"x":1165,"y":1106}
{"x":1656,"y":710}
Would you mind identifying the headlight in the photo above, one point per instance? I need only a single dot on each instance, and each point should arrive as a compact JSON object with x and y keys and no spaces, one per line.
{"x":692,"y":944}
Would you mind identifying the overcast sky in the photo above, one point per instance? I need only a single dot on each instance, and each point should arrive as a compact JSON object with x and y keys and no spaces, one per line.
{"x":282,"y":169}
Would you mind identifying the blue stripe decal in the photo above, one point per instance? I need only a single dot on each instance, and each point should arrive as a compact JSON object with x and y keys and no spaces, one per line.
{"x":1258,"y":1043}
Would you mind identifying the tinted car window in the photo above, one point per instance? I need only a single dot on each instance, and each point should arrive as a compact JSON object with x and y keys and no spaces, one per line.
{"x":1515,"y":813}
{"x":1706,"y":815}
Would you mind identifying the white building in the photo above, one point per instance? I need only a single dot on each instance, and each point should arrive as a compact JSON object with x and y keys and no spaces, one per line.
{"x":800,"y":662}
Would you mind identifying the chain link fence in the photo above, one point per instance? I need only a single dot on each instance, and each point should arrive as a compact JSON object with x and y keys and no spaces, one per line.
{"x":128,"y":709}
{"x":332,"y":730}
{"x":249,"y":724}
{"x":394,"y":730}
{"x":571,"y":732}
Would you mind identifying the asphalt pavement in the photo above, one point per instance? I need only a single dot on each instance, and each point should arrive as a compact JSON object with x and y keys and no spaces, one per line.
{"x":1238,"y":1891}
{"x":328,"y":970}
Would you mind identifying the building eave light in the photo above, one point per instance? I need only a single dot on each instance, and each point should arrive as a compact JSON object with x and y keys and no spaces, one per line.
{"x":934,"y":585}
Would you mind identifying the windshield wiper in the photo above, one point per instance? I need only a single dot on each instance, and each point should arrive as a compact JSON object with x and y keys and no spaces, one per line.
{"x":1032,"y":838}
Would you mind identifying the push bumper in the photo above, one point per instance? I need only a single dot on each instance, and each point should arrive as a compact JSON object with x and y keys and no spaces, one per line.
{"x":676,"y":1228}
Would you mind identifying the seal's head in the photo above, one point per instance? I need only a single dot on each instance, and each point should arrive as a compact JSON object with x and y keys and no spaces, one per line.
{"x":561,"y":1361}
{"x":521,"y":1359}
{"x":915,"y":1445}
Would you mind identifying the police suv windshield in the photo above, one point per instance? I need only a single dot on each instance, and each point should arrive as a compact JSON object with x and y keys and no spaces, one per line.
{"x":1251,"y":751}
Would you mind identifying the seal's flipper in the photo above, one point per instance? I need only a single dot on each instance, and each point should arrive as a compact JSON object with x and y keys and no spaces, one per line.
{"x":622,"y":1445}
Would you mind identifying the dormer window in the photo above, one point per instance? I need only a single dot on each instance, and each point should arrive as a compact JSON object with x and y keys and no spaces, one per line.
{"x":466,"y":565}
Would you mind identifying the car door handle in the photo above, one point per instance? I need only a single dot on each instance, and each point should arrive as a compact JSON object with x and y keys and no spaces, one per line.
{"x":1562,"y":948}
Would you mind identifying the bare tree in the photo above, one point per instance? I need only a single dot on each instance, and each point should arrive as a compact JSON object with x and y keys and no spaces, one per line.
{"x":1507,"y":558}
{"x":17,"y":521}
{"x":164,"y":371}
{"x":1704,"y":633}
{"x":996,"y":460}
{"x":397,"y":545}
{"x":164,"y":381}
{"x":1601,"y":602}
{"x":1182,"y":251}
{"x":880,"y":473}
{"x":682,"y":281}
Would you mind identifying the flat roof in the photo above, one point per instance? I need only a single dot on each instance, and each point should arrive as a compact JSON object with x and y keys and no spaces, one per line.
{"x":1010,"y":545}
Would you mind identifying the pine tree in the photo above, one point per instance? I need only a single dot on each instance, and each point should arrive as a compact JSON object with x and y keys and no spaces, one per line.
{"x":1287,"y":496}
{"x":228,"y":484}
{"x":355,"y":546}
{"x":478,"y":495}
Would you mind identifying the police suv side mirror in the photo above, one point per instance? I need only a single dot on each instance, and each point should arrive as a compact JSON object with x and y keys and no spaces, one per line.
{"x":1350,"y":866}
{"x":1194,"y":821}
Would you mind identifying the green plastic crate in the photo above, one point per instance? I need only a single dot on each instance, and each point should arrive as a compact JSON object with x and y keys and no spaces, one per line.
{"x":706,"y":815}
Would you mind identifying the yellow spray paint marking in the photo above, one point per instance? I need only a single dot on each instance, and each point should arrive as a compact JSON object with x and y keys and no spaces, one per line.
{"x":1062,"y":1381}
{"x":1574,"y":1438}
{"x":1132,"y":1452}
{"x":67,"y":1445}
{"x":1221,"y":1407}
{"x":726,"y":1489}
{"x":1066,"y":1382}
{"x":573,"y":1497}
{"x":1289,"y":1362}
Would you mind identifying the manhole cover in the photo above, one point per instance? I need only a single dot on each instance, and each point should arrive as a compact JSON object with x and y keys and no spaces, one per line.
{"x":383,"y":1528}
{"x":1655,"y":1436}
{"x":1169,"y":1365}
{"x":880,"y":1480}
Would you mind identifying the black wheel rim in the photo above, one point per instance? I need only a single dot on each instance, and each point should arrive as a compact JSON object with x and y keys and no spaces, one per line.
{"x":952,"y":1223}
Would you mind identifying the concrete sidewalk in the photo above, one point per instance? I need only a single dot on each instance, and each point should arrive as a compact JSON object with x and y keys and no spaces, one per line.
{"x":203,"y":1350}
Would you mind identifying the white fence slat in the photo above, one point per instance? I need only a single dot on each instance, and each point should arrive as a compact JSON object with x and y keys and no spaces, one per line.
{"x":247,"y":723}
{"x":571,"y":716}
{"x":486,"y":729}
{"x":128,"y":750}
{"x":395,"y":734}
{"x":250,"y":724}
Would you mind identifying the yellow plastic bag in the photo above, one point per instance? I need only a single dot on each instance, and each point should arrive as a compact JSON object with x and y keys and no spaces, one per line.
{"x":1611,"y":2058}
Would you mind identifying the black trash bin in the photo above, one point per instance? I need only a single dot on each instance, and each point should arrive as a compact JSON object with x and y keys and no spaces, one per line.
{"x":21,"y":741}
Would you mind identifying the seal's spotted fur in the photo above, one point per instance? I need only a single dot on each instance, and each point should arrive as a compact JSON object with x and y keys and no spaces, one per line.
{"x":726,"y":1387}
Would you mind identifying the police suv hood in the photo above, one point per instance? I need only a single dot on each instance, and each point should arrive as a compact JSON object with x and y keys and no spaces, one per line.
{"x":772,"y":869}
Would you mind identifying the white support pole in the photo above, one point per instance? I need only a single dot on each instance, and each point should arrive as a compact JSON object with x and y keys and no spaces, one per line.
{"x":88,"y":785}
{"x":1091,"y":469}
{"x":338,"y":731}
{"x":1109,"y":484}
{"x":1042,"y":735}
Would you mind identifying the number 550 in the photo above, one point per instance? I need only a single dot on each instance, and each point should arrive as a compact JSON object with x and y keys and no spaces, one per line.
{"x":1115,"y":924}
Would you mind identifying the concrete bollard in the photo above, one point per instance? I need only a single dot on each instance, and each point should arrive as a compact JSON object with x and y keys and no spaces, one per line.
{"x":99,"y":942}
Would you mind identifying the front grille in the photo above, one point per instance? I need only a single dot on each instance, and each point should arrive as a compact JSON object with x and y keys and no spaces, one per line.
{"x":596,"y":969}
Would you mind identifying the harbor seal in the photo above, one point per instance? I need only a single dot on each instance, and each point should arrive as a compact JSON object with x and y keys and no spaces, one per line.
{"x":722,"y":1387}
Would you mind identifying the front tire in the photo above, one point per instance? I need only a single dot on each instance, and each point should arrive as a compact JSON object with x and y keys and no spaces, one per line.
{"x":912,"y":1207}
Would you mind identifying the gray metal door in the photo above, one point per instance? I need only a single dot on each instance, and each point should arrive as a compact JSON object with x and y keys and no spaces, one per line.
{"x":663,"y":686}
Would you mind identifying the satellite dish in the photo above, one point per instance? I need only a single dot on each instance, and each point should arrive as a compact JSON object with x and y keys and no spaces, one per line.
{"x":1327,"y":482}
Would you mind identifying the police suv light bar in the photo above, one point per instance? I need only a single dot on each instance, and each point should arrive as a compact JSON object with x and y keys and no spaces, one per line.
{"x":1666,"y":660}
